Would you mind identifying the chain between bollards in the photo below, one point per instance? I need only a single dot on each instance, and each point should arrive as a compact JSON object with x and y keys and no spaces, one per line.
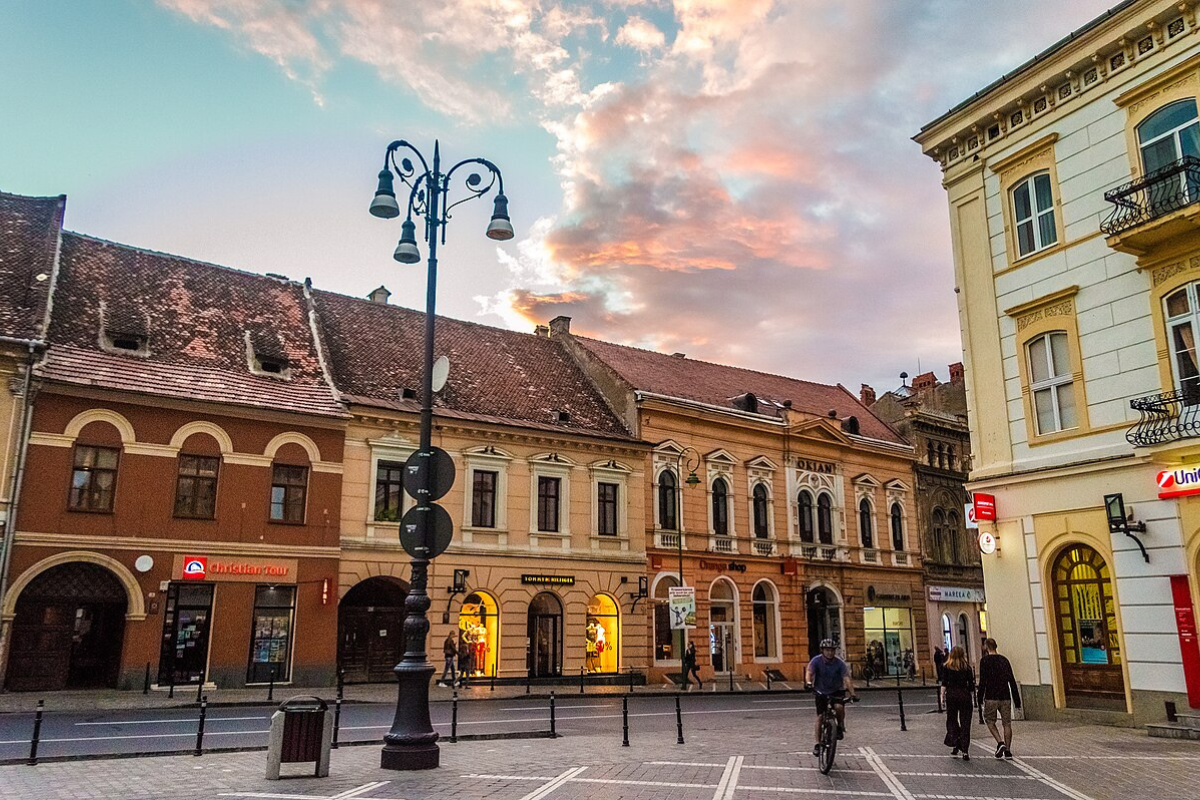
{"x":37,"y":733}
{"x":625,"y":720}
{"x":200,"y":726}
{"x":454,"y":718}
{"x":900,"y":696}
{"x":678,"y":721}
{"x":552,"y":732}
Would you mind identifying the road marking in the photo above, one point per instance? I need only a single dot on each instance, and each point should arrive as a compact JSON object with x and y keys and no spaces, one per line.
{"x":508,"y":777}
{"x":729,"y":778}
{"x":747,"y":766}
{"x":192,"y":720}
{"x":346,"y":795}
{"x":642,"y":783}
{"x":860,"y":705}
{"x":1061,"y":788}
{"x":970,"y":797}
{"x":894,"y":784}
{"x":561,"y":707}
{"x":366,"y":787}
{"x":964,"y":775}
{"x":838,"y":792}
{"x":546,"y":788}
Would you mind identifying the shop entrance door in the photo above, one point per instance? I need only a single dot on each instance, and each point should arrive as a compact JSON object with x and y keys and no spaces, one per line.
{"x":823,"y":620}
{"x":721,"y":646}
{"x":545,"y":632}
{"x":371,"y":630}
{"x":183,"y":657}
{"x":68,"y":630}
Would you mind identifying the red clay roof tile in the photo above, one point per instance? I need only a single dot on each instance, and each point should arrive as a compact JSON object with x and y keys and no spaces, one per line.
{"x":29,"y":229}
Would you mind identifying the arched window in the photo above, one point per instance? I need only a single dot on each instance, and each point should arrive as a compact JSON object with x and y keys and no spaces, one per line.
{"x":720,"y":507}
{"x":897,"y":527}
{"x":825,"y":519}
{"x":950,"y":457}
{"x":766,"y":637}
{"x":953,"y":537}
{"x":866,"y":526}
{"x":1051,"y":382}
{"x":1033,"y":214}
{"x":761,"y":528}
{"x":929,"y":453}
{"x":1169,"y":134}
{"x":1182,"y":312}
{"x":941,"y":456}
{"x":804,"y":509}
{"x":668,"y":518}
{"x":947,"y":638}
{"x":939,"y":535}
{"x":964,"y":634}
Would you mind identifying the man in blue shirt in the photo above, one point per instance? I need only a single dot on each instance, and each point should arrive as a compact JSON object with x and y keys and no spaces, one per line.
{"x":830,"y":678}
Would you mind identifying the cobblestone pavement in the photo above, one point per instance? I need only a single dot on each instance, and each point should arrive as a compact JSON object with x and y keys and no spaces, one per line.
{"x":748,"y":756}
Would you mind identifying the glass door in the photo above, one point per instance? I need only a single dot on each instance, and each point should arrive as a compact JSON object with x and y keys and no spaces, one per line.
{"x":183,"y":657}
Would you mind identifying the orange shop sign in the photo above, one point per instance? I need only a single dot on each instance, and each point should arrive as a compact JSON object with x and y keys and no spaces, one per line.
{"x":235,"y":569}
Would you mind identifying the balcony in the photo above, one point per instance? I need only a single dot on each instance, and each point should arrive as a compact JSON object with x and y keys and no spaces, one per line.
{"x":1166,"y":417}
{"x":764,"y":547}
{"x":1154,"y":208}
{"x":668,"y":540}
{"x":723,"y":544}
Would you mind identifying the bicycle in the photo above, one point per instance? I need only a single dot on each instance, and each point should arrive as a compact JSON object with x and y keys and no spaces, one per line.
{"x":827,"y":747}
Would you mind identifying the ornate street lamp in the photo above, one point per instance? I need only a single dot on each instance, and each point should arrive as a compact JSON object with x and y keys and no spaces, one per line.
{"x":412,"y":743}
{"x":688,"y":458}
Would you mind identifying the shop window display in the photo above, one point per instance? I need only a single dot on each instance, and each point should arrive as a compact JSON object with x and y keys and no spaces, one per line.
{"x":889,"y":639}
{"x":270,"y":647}
{"x":601,"y":635}
{"x":478,"y":627}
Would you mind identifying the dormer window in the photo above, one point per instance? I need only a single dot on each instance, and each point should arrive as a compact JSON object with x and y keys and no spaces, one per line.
{"x":273,"y":365}
{"x":266,"y":355}
{"x":130,"y":344}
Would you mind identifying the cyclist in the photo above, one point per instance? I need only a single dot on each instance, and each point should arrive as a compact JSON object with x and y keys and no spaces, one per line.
{"x":829,"y":678}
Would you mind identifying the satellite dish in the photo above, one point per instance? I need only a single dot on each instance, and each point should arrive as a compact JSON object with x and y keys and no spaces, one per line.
{"x":144,"y":564}
{"x":441,"y":371}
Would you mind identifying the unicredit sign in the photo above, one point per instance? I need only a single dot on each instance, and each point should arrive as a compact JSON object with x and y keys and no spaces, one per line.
{"x":1178,"y":482}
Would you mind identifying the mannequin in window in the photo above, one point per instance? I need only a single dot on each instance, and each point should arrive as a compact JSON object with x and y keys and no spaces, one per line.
{"x":479,"y":635}
{"x":591,"y":643}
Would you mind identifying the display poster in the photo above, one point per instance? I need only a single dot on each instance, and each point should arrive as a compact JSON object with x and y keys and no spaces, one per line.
{"x":682,"y":602}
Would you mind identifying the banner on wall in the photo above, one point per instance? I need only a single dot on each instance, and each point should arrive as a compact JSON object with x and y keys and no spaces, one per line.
{"x":682,"y":602}
{"x":1185,"y":624}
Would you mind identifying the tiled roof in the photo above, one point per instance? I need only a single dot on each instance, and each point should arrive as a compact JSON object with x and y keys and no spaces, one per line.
{"x":29,"y":228}
{"x":718,"y":385}
{"x":376,"y":351}
{"x":199,"y":319}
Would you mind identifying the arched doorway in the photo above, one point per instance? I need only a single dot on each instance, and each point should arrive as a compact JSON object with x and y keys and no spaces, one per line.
{"x":722,"y":625}
{"x":371,"y":630}
{"x":68,"y":630}
{"x":964,"y":634}
{"x":666,"y":638}
{"x":1087,"y":630}
{"x":545,"y":636}
{"x":824,"y":619}
{"x":479,"y":627}
{"x":602,"y":635}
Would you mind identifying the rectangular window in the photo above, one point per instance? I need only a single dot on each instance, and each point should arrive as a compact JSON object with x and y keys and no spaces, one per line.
{"x":483,"y":498}
{"x":548,"y":498}
{"x":1051,"y":383}
{"x":196,"y":487}
{"x":389,"y":491}
{"x":271,"y":634}
{"x":289,"y":487}
{"x":606,"y":512}
{"x":1033,"y":214}
{"x":94,"y":479}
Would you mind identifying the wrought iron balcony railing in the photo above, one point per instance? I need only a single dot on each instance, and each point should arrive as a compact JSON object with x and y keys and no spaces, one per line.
{"x":1156,"y":194}
{"x":1166,"y":417}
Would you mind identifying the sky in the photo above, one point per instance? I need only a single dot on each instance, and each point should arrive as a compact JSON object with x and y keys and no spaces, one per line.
{"x":731,"y":180}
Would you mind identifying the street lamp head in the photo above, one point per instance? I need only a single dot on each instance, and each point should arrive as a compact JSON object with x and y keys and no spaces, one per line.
{"x":384,"y":205}
{"x":500,"y":228}
{"x":406,"y":250}
{"x":692,"y":479}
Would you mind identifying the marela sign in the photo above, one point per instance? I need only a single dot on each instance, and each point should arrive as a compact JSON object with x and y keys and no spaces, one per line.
{"x":1178,"y":482}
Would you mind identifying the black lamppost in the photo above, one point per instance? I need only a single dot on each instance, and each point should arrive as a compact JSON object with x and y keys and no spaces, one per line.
{"x":412,"y":743}
{"x":688,"y":458}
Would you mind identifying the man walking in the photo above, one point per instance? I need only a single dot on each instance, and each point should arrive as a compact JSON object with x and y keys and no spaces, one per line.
{"x":690,"y":667}
{"x":449,"y":654}
{"x":998,"y":691}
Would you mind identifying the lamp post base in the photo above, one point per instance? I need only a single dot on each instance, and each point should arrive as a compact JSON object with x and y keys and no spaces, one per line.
{"x":411,"y":744}
{"x":409,"y":757}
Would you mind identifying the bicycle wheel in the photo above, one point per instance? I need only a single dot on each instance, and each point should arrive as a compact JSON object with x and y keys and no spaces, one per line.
{"x":828,"y":746}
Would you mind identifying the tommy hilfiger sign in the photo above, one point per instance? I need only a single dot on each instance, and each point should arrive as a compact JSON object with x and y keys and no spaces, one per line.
{"x":548,"y":580}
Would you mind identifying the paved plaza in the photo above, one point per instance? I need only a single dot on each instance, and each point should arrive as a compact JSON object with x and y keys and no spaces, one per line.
{"x":753,"y":755}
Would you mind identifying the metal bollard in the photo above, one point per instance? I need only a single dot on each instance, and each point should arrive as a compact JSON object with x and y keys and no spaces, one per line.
{"x":171,"y":691}
{"x":768,"y":680}
{"x":341,"y":683}
{"x":1172,"y":713}
{"x":37,"y":733}
{"x":897,"y":679}
{"x":146,"y":682}
{"x":922,"y":674}
{"x":900,"y":696}
{"x":528,"y":677}
{"x":625,"y":720}
{"x":678,"y":721}
{"x":337,"y":721}
{"x":493,"y":679}
{"x":731,"y":677}
{"x":200,"y":727}
{"x":631,"y":680}
{"x":581,"y":680}
{"x":552,"y":733}
{"x":200,"y":686}
{"x":271,"y":687}
{"x":454,"y":718}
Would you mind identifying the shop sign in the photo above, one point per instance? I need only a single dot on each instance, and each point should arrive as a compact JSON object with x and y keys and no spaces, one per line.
{"x":985,"y":507}
{"x":682,"y":602}
{"x":969,"y":516}
{"x":235,"y":570}
{"x":548,"y":580}
{"x":888,"y":594}
{"x":1178,"y":482}
{"x":956,"y":594}
{"x":988,"y":543}
{"x":721,"y":566}
{"x":819,"y":467}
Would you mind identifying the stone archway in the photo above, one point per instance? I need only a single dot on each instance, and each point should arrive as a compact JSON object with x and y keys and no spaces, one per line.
{"x":371,"y":629}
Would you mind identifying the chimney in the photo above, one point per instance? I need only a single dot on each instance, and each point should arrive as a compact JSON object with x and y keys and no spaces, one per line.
{"x":867,"y":395}
{"x":380,"y":296}
{"x":926,"y":380}
{"x":541,"y":330}
{"x":560,"y":325}
{"x":956,"y":372}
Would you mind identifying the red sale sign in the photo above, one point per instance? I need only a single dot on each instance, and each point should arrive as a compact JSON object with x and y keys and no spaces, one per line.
{"x":1185,"y":624}
{"x":985,"y":507}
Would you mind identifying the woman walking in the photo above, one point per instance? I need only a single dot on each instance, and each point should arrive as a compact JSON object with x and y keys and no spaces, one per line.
{"x":958,"y":693}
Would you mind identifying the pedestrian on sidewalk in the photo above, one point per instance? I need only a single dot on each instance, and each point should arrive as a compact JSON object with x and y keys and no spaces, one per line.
{"x":690,"y":667}
{"x":998,"y":693}
{"x":939,"y":663}
{"x":449,"y":654}
{"x":958,"y":693}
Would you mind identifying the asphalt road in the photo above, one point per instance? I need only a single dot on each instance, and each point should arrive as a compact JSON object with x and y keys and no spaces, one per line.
{"x":163,"y":730}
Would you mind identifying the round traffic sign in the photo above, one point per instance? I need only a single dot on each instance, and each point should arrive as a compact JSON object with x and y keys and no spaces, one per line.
{"x":419,"y":519}
{"x":416,"y":481}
